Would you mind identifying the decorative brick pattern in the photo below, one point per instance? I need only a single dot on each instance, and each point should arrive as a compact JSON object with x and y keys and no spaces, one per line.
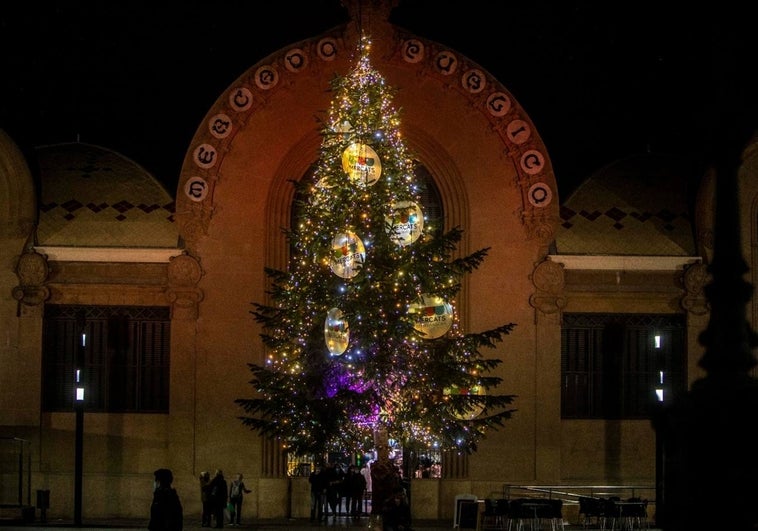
{"x":93,"y":197}
{"x":626,"y":210}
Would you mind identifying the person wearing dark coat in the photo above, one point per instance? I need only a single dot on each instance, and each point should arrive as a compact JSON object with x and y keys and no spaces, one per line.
{"x":385,"y":479}
{"x":318,"y":493}
{"x":219,"y":497}
{"x":166,"y":512}
{"x":356,"y":487}
{"x":332,"y":482}
{"x":396,"y":513}
{"x":205,"y":498}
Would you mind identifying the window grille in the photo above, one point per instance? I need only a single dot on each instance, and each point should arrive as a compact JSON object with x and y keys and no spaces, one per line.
{"x":125,"y":362}
{"x":616,"y":366}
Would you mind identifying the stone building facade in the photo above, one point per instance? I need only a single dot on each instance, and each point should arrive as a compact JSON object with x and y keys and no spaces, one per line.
{"x":83,"y":227}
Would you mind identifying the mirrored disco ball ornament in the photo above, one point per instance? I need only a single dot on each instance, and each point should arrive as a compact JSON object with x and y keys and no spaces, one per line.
{"x":347,"y":256}
{"x":362,"y":164}
{"x":336,"y":332}
{"x":433,"y":316}
{"x":472,"y":410}
{"x":405,"y":223}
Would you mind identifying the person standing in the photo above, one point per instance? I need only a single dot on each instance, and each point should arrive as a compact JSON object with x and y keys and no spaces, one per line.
{"x":339,"y":489}
{"x":219,"y":494}
{"x":166,"y":513}
{"x":366,"y":473}
{"x":385,"y":479}
{"x":318,"y":493}
{"x":346,"y":492}
{"x":205,"y":498}
{"x":332,"y":481}
{"x":237,"y":491}
{"x":356,"y":485}
{"x":396,"y":514}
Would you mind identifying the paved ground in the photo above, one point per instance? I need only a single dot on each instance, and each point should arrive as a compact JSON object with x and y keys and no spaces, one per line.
{"x":364,"y":523}
{"x":297,"y":524}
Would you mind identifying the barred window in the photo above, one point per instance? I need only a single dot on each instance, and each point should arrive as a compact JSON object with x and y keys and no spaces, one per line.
{"x":122,"y":354}
{"x":616,"y":366}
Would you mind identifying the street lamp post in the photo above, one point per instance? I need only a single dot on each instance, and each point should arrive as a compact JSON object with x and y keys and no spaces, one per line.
{"x":79,"y":408}
{"x":660,"y":394}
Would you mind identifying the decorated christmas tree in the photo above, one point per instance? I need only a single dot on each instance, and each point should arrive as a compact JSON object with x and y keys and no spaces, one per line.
{"x":361,"y":331}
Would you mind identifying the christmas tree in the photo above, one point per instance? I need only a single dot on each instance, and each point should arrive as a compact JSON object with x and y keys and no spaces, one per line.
{"x":361,"y":331}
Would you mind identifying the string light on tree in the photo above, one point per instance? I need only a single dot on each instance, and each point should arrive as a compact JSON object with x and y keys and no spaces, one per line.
{"x":364,"y":254}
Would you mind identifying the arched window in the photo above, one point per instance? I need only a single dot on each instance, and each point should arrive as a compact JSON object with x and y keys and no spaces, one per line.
{"x":431,"y":203}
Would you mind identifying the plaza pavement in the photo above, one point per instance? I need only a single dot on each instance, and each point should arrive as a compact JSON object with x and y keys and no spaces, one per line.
{"x":193,"y":524}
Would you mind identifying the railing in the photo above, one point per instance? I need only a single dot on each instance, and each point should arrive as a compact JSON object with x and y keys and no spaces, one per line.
{"x":572,"y":493}
{"x":643,"y":495}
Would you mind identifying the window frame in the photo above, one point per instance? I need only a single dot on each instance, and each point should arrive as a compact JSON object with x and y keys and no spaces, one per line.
{"x":124,"y":363}
{"x":611,"y":367}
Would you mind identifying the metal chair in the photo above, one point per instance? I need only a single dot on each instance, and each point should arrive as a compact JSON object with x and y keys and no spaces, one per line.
{"x":591,"y":512}
{"x":495,"y":514}
{"x":551,"y":513}
{"x":611,"y":513}
{"x":632,"y":514}
{"x":535,"y":514}
{"x":520,"y":514}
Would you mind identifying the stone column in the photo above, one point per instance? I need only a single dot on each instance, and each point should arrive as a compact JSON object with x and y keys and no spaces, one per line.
{"x":548,"y":300}
{"x":184,"y":272}
{"x":25,"y":387}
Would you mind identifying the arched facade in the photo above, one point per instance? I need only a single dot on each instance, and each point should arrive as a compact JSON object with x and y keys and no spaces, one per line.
{"x":496,"y":182}
{"x":489,"y":163}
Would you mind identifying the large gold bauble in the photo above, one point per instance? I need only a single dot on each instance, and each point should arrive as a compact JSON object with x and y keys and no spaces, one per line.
{"x":405,"y":223}
{"x":362,"y":164}
{"x":336,"y":332}
{"x":348,"y":255}
{"x":474,"y":410}
{"x":434,"y":316}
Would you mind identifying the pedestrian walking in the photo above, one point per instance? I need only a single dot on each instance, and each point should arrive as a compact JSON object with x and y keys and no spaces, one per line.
{"x":205,"y":499}
{"x":166,"y":513}
{"x":219,"y":497}
{"x":237,"y":491}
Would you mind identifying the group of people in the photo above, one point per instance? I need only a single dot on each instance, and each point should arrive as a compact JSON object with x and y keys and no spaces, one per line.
{"x":330,"y":485}
{"x":221,"y":501}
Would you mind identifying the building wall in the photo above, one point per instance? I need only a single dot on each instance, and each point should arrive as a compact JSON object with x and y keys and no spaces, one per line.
{"x":483,"y":164}
{"x":481,"y":172}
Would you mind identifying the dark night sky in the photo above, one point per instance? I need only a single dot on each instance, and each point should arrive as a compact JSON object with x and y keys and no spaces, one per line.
{"x":601,"y":80}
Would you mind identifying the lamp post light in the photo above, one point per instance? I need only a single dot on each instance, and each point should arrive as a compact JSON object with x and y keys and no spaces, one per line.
{"x":660,"y":395}
{"x":79,"y":409}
